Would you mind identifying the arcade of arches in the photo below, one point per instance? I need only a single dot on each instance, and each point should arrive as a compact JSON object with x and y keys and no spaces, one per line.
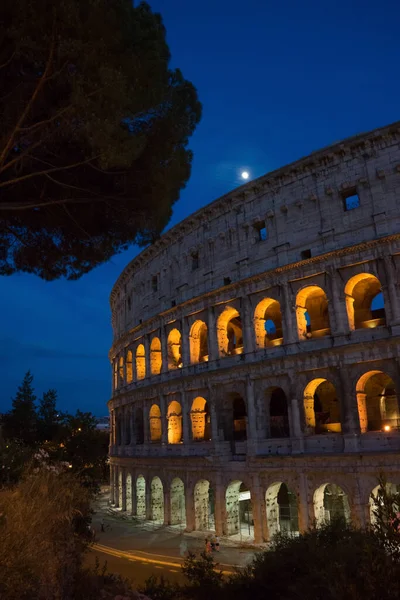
{"x":238,"y":510}
{"x":363,"y":307}
{"x":374,"y":398}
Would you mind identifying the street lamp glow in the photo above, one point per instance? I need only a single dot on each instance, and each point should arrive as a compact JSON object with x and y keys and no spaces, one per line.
{"x":245,"y":174}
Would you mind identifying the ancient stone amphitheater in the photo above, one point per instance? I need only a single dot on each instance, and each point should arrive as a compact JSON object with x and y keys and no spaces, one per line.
{"x":256,"y":351}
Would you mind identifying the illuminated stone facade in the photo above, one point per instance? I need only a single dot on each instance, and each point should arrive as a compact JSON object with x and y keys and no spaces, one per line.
{"x":256,"y":351}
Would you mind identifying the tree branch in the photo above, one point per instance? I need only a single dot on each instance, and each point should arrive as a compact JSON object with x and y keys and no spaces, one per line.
{"x":28,"y":107}
{"x":4,"y":65}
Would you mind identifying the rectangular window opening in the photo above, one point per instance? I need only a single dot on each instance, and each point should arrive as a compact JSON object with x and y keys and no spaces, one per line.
{"x":195,"y":261}
{"x":154,"y":283}
{"x":351,"y":200}
{"x":305,"y":254}
{"x":227,"y":280}
{"x":173,"y":303}
{"x":261,"y":230}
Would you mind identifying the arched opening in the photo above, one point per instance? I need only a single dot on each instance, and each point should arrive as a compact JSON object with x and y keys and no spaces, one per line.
{"x":201,"y":421}
{"x":378,"y":504}
{"x":282,"y":510}
{"x":115,"y":374}
{"x":155,"y":423}
{"x":378,"y":407}
{"x":120,"y":490}
{"x":119,"y":429}
{"x":140,"y":362}
{"x":129,"y":367}
{"x":239,"y":514}
{"x":204,"y":506}
{"x":174,"y":417}
{"x":229,"y":331}
{"x":140,"y":497}
{"x":157,"y":500}
{"x":121,"y":370}
{"x":268,"y":323}
{"x":129,"y":493}
{"x":127,"y":424}
{"x":239,"y":419}
{"x":364,"y":302}
{"x":139,"y":426}
{"x":174,"y":349}
{"x":321,"y":407}
{"x":198,"y":342}
{"x":278,"y":414}
{"x":178,"y":511}
{"x":155,"y":356}
{"x":330,"y":503}
{"x":312,"y":313}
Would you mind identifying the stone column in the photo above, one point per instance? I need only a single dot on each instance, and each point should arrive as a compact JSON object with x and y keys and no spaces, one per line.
{"x":148,"y":498}
{"x":116,"y":486}
{"x":303,"y":505}
{"x":133,"y":494}
{"x":256,"y":503}
{"x":164,"y":349}
{"x":189,"y":509}
{"x":132,"y":425}
{"x":185,"y":419}
{"x":349,"y":412}
{"x":167,"y":506}
{"x":296,"y":432}
{"x":164,"y":420}
{"x":219,"y":507}
{"x":123,"y":483}
{"x":340,"y":324}
{"x":248,"y":327}
{"x":391,"y":278}
{"x":251,"y":418}
{"x":213,"y":415}
{"x":289,"y":324}
{"x":185,"y":343}
{"x":213,"y":353}
{"x":146,"y":345}
{"x":112,"y":481}
{"x":146,"y":423}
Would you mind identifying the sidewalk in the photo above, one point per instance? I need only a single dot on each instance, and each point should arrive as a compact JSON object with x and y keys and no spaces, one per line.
{"x":158,"y":542}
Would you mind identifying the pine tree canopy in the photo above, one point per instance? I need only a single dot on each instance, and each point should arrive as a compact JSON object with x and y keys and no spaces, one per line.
{"x":94,"y":133}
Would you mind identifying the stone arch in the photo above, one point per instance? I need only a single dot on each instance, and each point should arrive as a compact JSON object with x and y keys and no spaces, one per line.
{"x":268,"y":323}
{"x":155,"y":423}
{"x":129,"y":367}
{"x":129,"y":493}
{"x":155,"y":356}
{"x":312,"y":313}
{"x":229,"y":332}
{"x":330,"y":502}
{"x":157,"y":500}
{"x":321,"y":407}
{"x":140,"y":497}
{"x":201,"y":420}
{"x":198,"y":342}
{"x":278,"y":413}
{"x":174,"y":344}
{"x":140,"y":362}
{"x":377,"y":401}
{"x":362,"y":293}
{"x":174,"y":416}
{"x":121,"y":370}
{"x":239,"y":418}
{"x":238,"y":508}
{"x":376,"y":497}
{"x":178,"y":509}
{"x":139,"y":426}
{"x":281,"y":509}
{"x":204,"y":506}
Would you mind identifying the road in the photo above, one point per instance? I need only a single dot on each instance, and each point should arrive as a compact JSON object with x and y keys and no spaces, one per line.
{"x":136,"y":569}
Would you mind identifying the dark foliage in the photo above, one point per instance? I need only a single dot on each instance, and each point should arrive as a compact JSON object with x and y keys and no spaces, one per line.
{"x":94,"y":133}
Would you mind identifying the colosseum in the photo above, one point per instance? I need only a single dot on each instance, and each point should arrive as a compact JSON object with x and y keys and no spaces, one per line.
{"x":255,"y":360}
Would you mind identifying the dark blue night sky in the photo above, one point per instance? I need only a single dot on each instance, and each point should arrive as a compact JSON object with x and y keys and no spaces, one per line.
{"x":277,"y":80}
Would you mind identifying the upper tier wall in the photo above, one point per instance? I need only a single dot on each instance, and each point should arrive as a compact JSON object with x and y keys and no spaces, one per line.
{"x":303,"y":209}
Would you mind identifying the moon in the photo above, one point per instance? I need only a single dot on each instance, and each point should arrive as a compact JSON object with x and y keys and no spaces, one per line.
{"x":245,"y":174}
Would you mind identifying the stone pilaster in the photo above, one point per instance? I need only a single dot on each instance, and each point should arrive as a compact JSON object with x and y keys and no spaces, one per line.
{"x":212,"y":335}
{"x":289,"y":324}
{"x":185,"y":343}
{"x":164,"y":349}
{"x":247,"y":325}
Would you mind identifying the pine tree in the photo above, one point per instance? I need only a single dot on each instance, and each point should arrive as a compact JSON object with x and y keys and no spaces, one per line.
{"x":48,"y":422}
{"x":20,"y":423}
